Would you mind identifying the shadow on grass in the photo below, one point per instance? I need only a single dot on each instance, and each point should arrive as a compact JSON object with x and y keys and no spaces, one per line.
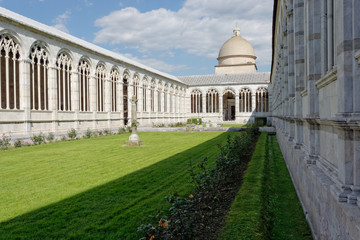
{"x":113,"y":210}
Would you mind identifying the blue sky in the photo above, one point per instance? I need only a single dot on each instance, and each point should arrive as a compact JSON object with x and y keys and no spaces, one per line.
{"x":180,"y":37}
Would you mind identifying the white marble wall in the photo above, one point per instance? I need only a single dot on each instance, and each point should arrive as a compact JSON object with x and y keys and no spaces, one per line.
{"x":315,"y":103}
{"x":25,"y":122}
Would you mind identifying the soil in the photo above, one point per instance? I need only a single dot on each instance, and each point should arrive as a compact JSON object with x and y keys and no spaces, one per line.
{"x":212,"y":208}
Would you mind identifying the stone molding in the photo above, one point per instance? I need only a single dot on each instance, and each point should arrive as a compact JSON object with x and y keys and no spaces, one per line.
{"x":304,"y":93}
{"x":329,"y":77}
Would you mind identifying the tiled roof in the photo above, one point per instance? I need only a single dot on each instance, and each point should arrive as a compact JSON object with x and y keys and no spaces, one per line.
{"x":226,"y":79}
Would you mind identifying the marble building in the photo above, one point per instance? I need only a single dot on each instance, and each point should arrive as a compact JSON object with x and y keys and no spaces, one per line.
{"x":51,"y":81}
{"x":315,"y":85}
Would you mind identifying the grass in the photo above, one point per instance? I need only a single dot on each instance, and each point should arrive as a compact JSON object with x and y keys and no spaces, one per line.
{"x":242,"y":222}
{"x":288,"y":217}
{"x":95,"y":188}
{"x":266,"y":206}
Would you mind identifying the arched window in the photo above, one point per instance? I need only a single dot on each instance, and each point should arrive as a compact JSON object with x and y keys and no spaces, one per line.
{"x":9,"y":73}
{"x":136,"y":86}
{"x":39,"y":78}
{"x":144,"y":94}
{"x":176,"y":99}
{"x":171,"y":99}
{"x":245,"y":100}
{"x":84,"y":74}
{"x":100,"y":89}
{"x":125,"y":97}
{"x":212,"y":101}
{"x":114,"y":79}
{"x":152,"y":96}
{"x":262,"y":100}
{"x":63,"y":65}
{"x":166,"y":88}
{"x":159,"y":96}
{"x":196,"y":101}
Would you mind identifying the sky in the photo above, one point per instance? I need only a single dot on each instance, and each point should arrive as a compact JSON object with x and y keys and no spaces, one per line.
{"x":179,"y":37}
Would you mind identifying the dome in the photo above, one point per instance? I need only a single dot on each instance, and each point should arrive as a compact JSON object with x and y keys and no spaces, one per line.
{"x":236,"y":56}
{"x":236,"y":45}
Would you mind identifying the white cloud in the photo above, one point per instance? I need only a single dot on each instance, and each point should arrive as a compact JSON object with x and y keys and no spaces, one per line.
{"x":156,"y":63}
{"x":200,"y":27}
{"x":61,"y":20}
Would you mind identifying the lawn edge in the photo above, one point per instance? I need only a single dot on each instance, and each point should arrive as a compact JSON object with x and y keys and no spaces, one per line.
{"x":244,"y":218}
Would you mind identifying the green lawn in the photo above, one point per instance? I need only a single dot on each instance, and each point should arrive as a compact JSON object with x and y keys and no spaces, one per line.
{"x":266,"y":206}
{"x":95,"y":188}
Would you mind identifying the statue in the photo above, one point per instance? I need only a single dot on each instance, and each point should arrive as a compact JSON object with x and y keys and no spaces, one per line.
{"x":134,"y":139}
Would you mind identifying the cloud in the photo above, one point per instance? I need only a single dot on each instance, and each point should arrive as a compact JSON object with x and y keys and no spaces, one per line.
{"x":200,"y":27}
{"x":157,"y":64}
{"x":61,"y":20}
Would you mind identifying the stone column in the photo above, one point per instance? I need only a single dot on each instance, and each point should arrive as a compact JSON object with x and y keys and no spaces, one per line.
{"x":343,"y":52}
{"x":75,"y":97}
{"x":92,"y":99}
{"x":120,"y":100}
{"x":345,"y":151}
{"x":299,"y":67}
{"x":52,"y":94}
{"x":24,"y":82}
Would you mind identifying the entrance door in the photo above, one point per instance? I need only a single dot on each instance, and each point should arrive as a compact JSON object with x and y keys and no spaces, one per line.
{"x":229,"y":106}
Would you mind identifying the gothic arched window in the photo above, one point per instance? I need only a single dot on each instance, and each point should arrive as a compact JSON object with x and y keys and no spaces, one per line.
{"x":212,"y":101}
{"x":114,"y":79}
{"x":84,"y":75}
{"x":9,"y":73}
{"x":152,"y":96}
{"x":159,"y":96}
{"x":39,"y":78}
{"x":144,"y":89}
{"x":63,"y":65}
{"x":100,"y":87}
{"x":245,"y":100}
{"x":196,"y":101}
{"x":262,"y":100}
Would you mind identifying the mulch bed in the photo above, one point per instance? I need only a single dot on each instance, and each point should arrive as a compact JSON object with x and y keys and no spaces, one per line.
{"x":212,"y":207}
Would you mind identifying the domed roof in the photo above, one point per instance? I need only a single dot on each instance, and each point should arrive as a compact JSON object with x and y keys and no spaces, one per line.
{"x":236,"y":46}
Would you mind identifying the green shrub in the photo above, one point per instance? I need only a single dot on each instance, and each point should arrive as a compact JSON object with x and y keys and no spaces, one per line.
{"x":88,"y":133}
{"x":196,"y":121}
{"x":18,"y":143}
{"x":107,"y":132}
{"x":72,"y":133}
{"x":38,"y":139}
{"x":50,"y":137}
{"x":4,"y":142}
{"x":121,"y":131}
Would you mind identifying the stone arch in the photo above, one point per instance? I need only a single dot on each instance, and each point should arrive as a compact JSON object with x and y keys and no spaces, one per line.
{"x":10,"y":54}
{"x":229,"y":90}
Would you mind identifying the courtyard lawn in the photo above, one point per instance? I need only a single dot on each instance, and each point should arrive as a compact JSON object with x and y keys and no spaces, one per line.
{"x":266,"y":206}
{"x":95,"y":188}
